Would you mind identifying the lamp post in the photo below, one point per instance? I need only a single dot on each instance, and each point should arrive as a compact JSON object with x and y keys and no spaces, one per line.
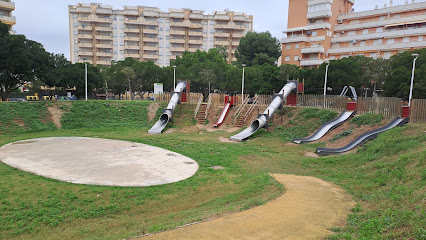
{"x":325,"y":81}
{"x":242,"y":86}
{"x":174,"y":77}
{"x":415,"y":55}
{"x":85,"y":69}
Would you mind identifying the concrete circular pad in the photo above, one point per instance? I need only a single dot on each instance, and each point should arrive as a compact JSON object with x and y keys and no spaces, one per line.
{"x":98,"y":161}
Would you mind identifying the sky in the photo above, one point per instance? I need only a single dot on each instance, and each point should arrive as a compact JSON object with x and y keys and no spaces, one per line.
{"x":46,"y":21}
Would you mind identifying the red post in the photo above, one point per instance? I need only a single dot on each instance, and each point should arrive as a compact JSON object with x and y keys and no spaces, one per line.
{"x":351,"y":106}
{"x":405,"y":111}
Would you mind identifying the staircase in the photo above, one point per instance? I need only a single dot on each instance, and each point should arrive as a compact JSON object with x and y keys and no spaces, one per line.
{"x":201,"y":117}
{"x":244,"y":117}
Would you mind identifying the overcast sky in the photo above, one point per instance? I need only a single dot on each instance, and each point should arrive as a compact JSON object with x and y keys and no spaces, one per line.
{"x":46,"y":21}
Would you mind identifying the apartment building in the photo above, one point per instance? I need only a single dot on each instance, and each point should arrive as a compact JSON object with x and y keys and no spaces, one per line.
{"x":6,"y":8}
{"x":330,"y":29}
{"x":100,"y":34}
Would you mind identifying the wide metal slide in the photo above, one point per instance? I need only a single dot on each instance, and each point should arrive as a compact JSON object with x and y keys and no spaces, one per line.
{"x":269,"y":112}
{"x":168,"y":112}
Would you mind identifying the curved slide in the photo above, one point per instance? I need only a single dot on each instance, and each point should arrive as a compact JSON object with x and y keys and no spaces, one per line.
{"x":168,"y":112}
{"x":363,"y":138}
{"x":267,"y":114}
{"x":222,"y":115}
{"x":327,"y":127}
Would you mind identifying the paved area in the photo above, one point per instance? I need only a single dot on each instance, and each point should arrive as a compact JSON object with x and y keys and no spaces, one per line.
{"x":98,"y":161}
{"x":307,"y":210}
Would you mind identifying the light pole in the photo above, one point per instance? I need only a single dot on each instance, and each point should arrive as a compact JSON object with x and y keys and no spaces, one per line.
{"x":415,"y":55}
{"x":85,"y":69}
{"x":325,"y":81}
{"x":174,"y":77}
{"x":242,"y":86}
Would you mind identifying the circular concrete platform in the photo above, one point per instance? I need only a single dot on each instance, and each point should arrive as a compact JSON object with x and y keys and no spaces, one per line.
{"x":98,"y":161}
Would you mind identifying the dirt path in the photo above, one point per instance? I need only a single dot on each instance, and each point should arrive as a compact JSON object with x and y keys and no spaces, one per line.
{"x":307,"y":210}
{"x":56,"y":115}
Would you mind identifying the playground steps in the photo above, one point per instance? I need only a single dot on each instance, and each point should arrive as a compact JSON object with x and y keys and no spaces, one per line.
{"x":201,"y":117}
{"x":240,"y":122}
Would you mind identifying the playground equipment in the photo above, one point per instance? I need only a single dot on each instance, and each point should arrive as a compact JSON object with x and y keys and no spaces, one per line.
{"x":168,"y":112}
{"x":269,"y":112}
{"x":229,"y":102}
{"x":398,"y":121}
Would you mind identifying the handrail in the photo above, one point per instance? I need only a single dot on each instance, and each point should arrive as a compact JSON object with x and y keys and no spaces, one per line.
{"x":250,"y":110}
{"x":208,"y":105}
{"x":200,"y":100}
{"x":241,"y":107}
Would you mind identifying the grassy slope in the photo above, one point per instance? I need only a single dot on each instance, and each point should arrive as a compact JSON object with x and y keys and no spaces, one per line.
{"x":387,"y":178}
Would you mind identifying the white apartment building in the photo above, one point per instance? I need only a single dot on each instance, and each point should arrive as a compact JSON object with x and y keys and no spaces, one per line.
{"x":100,"y":34}
{"x":6,"y":8}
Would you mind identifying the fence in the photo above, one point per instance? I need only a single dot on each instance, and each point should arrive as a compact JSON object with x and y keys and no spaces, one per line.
{"x":191,"y":98}
{"x":334,"y":102}
{"x":387,"y":106}
{"x":418,"y":111}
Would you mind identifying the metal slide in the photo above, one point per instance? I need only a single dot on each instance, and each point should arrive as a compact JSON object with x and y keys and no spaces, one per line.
{"x":267,"y":114}
{"x":327,"y":127}
{"x":222,"y":115}
{"x":363,"y":138}
{"x":168,"y":112}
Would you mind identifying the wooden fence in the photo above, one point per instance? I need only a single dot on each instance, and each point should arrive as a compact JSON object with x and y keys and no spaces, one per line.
{"x":418,"y":111}
{"x":334,"y":102}
{"x":387,"y":106}
{"x":191,"y":98}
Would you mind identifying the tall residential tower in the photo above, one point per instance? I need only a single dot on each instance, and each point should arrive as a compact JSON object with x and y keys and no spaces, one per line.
{"x":100,"y":34}
{"x":330,"y":29}
{"x":6,"y":8}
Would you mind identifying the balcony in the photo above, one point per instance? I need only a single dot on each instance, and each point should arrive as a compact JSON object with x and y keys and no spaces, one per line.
{"x":311,"y":62}
{"x":235,"y":43}
{"x":222,"y":43}
{"x":186,"y":23}
{"x":84,"y":36}
{"x":85,"y":61}
{"x":319,"y":14}
{"x":177,"y":15}
{"x":150,"y":31}
{"x":302,"y":39}
{"x":104,"y":29}
{"x":385,"y":34}
{"x":85,"y":53}
{"x":132,"y":39}
{"x":310,"y":27}
{"x":196,"y":16}
{"x":131,"y":30}
{"x":198,"y":42}
{"x":172,"y":57}
{"x":192,"y":49}
{"x":378,"y":47}
{"x":150,"y":56}
{"x":313,"y":49}
{"x":230,"y":25}
{"x":315,"y":2}
{"x":194,"y":33}
{"x":7,"y":5}
{"x":217,"y":34}
{"x":94,"y":19}
{"x":238,"y":35}
{"x":104,"y":54}
{"x":177,"y":40}
{"x":177,"y":49}
{"x":85,"y":45}
{"x":130,"y":12}
{"x":174,"y":32}
{"x":131,"y":46}
{"x":132,"y":55}
{"x":383,"y":11}
{"x":104,"y":37}
{"x":101,"y":45}
{"x":145,"y":39}
{"x":141,"y":21}
{"x":103,"y":62}
{"x":88,"y":28}
{"x":221,"y":17}
{"x":379,"y":23}
{"x":8,"y":20}
{"x":150,"y":48}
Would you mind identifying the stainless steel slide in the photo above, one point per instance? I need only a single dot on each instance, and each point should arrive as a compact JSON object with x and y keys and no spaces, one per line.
{"x":222,"y":115}
{"x":327,"y":127}
{"x":363,"y":138}
{"x":168,"y":112}
{"x":267,"y":114}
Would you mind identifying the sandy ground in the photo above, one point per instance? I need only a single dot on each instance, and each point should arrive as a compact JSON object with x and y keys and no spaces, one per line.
{"x":56,"y":115}
{"x":307,"y":210}
{"x":152,"y":110}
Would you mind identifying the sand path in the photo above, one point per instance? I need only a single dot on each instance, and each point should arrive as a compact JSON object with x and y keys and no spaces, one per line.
{"x":307,"y":210}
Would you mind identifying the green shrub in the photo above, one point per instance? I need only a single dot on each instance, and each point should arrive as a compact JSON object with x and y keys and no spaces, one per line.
{"x":367,"y":119}
{"x":342,"y":135}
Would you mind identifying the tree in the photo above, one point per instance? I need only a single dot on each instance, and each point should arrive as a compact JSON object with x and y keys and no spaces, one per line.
{"x":258,"y":49}
{"x":130,"y":74}
{"x":223,"y":51}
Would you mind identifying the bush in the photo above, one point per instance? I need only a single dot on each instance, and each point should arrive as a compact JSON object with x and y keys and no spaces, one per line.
{"x":367,"y":119}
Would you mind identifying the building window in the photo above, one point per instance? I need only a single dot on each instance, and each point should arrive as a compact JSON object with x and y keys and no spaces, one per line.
{"x":420,"y":38}
{"x":379,"y":30}
{"x":288,"y":46}
{"x":297,"y":45}
{"x":287,"y":58}
{"x":314,"y":33}
{"x":382,"y":17}
{"x":296,"y":58}
{"x":365,"y":31}
{"x":332,"y":57}
{"x":387,"y":55}
{"x":406,"y":39}
{"x":390,"y":41}
{"x":319,"y":7}
{"x":351,"y":33}
{"x":362,"y":43}
{"x":397,"y":15}
{"x":377,"y":41}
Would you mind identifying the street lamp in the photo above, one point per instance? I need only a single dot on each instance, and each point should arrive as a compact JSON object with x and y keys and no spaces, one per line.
{"x":415,"y":55}
{"x":174,"y":77}
{"x":325,"y":81}
{"x":242,"y":86}
{"x":85,"y":69}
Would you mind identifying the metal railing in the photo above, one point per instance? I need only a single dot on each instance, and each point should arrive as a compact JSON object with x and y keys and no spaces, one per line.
{"x":200,"y":100}
{"x":208,"y":105}
{"x":251,"y":108}
{"x":240,"y":109}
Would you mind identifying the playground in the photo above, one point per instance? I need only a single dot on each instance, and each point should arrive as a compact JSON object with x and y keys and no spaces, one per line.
{"x":228,"y":164}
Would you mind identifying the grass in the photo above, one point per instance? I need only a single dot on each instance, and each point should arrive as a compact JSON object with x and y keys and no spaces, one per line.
{"x":386,"y":177}
{"x":367,"y":119}
{"x":341,"y":135}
